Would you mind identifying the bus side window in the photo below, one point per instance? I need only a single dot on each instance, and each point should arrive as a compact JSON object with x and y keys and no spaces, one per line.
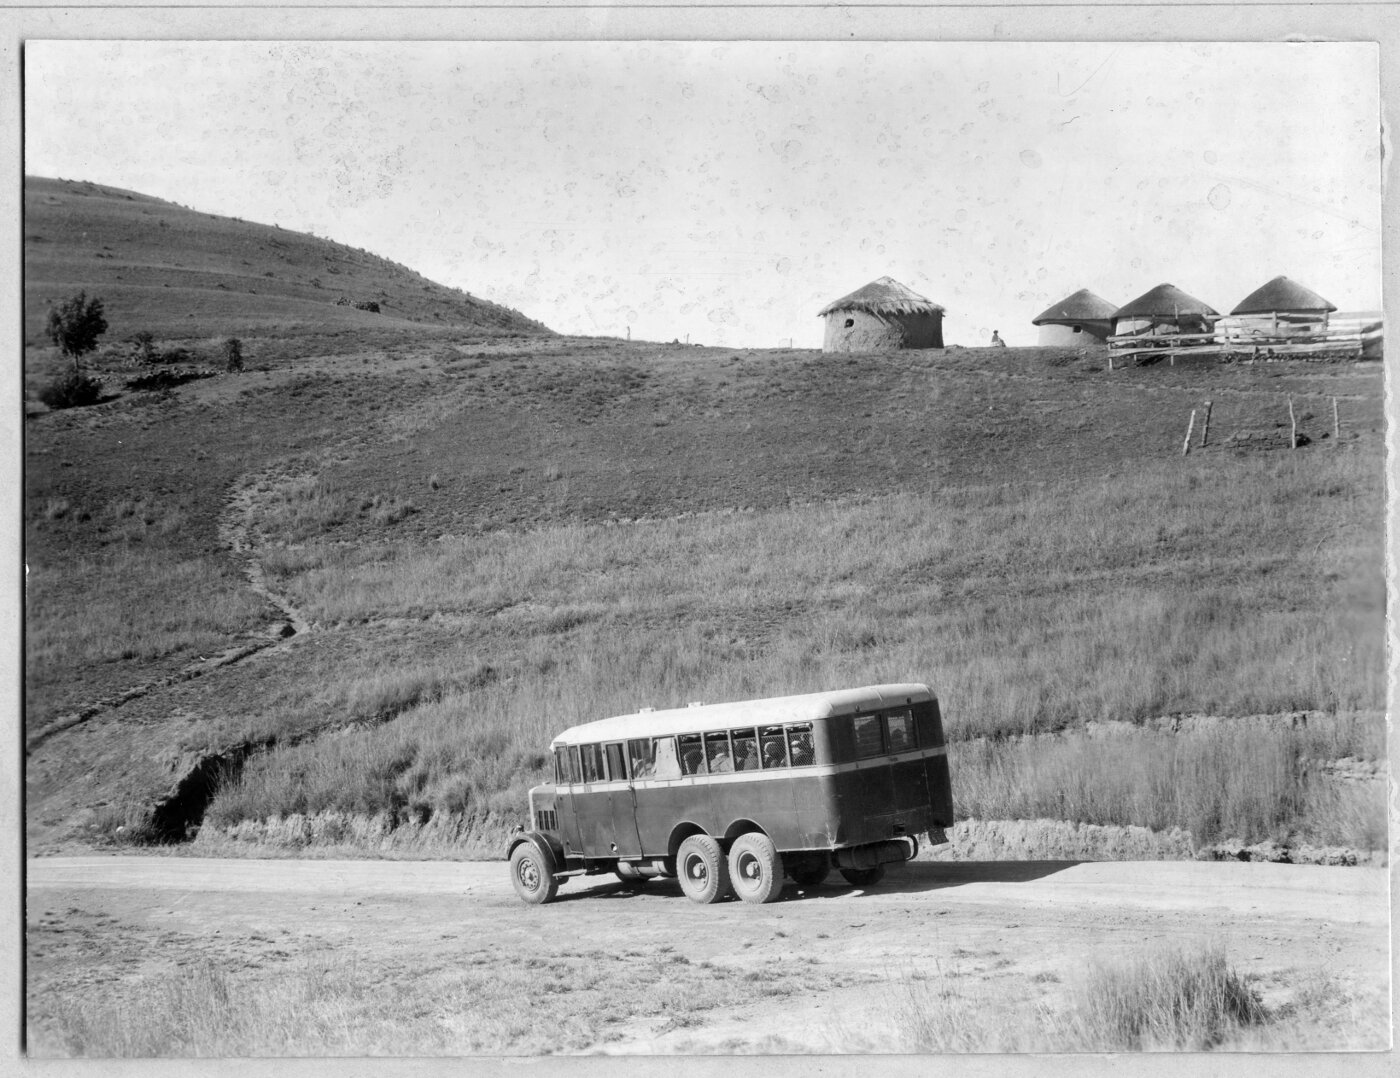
{"x":745,"y":749}
{"x":667,"y":765}
{"x":617,"y":762}
{"x":592,"y":763}
{"x":643,"y":754}
{"x":561,"y":766}
{"x":692,"y":754}
{"x":869,"y":741}
{"x":575,"y":770}
{"x":800,"y":744}
{"x":717,"y":753}
{"x":773,"y":746}
{"x":903,"y":735}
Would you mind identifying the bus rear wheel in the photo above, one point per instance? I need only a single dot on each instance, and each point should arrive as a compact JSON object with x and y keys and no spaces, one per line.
{"x":532,"y":874}
{"x":702,"y":869}
{"x":864,"y":877}
{"x":755,"y":868}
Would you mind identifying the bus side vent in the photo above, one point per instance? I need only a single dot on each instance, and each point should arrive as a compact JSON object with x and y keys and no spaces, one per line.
{"x":546,"y":820}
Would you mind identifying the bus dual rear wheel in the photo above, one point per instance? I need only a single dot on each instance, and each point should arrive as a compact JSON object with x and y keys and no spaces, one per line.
{"x":755,"y":868}
{"x":702,"y":869}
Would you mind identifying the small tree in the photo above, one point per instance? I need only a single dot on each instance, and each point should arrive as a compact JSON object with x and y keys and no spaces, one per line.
{"x":233,"y":354}
{"x":143,"y":350}
{"x":75,"y":325}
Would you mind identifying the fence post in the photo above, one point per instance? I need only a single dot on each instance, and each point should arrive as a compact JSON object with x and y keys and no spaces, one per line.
{"x":1186,"y":445}
{"x":1205,"y":427}
{"x":1293,"y":426}
{"x":1336,"y":423}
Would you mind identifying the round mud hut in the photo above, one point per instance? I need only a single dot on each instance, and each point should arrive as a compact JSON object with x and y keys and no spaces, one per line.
{"x":1077,"y":320}
{"x":1164,"y":311}
{"x":884,"y":316}
{"x":1281,"y":308}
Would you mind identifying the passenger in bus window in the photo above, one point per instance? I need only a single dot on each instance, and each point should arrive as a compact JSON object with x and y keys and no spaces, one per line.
{"x":773,"y":753}
{"x":801,"y":748}
{"x":721,"y":762}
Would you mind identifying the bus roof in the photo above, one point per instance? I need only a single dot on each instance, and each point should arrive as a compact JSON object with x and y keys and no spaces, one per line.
{"x":769,"y":712}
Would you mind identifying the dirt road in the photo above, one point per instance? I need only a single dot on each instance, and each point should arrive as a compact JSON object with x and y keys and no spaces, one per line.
{"x":646,"y":970}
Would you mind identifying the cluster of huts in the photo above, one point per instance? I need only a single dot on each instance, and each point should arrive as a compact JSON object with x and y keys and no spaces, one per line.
{"x":887,"y":315}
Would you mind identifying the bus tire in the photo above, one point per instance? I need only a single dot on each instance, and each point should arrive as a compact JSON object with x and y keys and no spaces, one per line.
{"x":532,"y":873}
{"x":755,"y":868}
{"x":864,"y":877}
{"x":702,"y":869}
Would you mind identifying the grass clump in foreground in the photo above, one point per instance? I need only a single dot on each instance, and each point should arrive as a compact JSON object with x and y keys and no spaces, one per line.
{"x":1165,"y":1000}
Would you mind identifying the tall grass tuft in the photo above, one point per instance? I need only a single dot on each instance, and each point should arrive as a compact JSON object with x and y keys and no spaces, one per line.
{"x":1171,"y":1000}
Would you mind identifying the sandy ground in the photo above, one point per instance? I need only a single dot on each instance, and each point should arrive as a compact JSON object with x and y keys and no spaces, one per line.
{"x":1016,"y":933}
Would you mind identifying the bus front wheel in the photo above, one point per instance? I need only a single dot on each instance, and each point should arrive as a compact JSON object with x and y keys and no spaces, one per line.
{"x":702,"y":869}
{"x":864,"y":877}
{"x":532,"y":874}
{"x":755,"y":868}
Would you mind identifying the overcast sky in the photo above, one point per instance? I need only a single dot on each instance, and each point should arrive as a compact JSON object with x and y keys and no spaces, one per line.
{"x":728,"y":191}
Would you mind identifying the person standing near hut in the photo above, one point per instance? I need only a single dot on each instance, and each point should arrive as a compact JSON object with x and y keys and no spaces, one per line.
{"x":997,"y":342}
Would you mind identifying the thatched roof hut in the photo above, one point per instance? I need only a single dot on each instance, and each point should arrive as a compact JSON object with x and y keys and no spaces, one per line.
{"x":1281,"y":295}
{"x":882,"y":316}
{"x":1165,"y":309}
{"x":1281,"y":308}
{"x":1078,"y":319}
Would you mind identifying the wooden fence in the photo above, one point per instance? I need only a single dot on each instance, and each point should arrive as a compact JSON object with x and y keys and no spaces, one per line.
{"x":1347,"y":336}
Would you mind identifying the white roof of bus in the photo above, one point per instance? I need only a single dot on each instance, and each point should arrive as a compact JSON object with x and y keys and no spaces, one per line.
{"x":770,"y":712}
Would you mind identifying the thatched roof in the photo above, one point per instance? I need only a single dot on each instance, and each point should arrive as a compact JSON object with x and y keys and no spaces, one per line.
{"x":1281,"y":294}
{"x":885,"y":296}
{"x":1083,"y":306}
{"x":1163,"y":301}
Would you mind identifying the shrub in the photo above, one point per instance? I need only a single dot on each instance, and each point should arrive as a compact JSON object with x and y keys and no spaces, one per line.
{"x":1190,"y":1001}
{"x":76,"y":324}
{"x":367,"y":305}
{"x":143,"y":352}
{"x":233,"y":355}
{"x":72,"y":389}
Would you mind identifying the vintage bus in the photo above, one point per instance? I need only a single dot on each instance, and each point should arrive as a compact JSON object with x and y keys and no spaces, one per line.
{"x":734,"y":797}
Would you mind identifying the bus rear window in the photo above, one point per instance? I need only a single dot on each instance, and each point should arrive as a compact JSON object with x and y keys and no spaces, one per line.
{"x":692,"y":754}
{"x":800,"y":744}
{"x":901,"y":730}
{"x":717,"y":752}
{"x":869,"y":740}
{"x":773,"y":746}
{"x":745,"y":749}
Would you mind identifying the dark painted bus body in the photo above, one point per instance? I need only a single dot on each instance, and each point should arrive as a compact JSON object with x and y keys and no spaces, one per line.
{"x":733,"y":795}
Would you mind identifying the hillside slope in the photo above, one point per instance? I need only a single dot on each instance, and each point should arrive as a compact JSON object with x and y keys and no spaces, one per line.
{"x":178,"y":273}
{"x":419,"y":557}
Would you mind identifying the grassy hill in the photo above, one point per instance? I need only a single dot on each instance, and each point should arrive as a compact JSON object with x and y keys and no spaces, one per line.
{"x":180,"y":274}
{"x":368,"y":578}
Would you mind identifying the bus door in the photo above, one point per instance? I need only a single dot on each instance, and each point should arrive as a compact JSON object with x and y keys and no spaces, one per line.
{"x":622,"y":802}
{"x":592,"y":803}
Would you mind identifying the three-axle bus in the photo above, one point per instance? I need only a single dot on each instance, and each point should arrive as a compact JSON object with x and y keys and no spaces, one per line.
{"x":734,"y":797}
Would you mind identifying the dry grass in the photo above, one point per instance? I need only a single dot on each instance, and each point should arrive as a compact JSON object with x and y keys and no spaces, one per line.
{"x":1035,"y":609}
{"x":1246,"y":781}
{"x":334,"y":1004}
{"x":1174,"y":999}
